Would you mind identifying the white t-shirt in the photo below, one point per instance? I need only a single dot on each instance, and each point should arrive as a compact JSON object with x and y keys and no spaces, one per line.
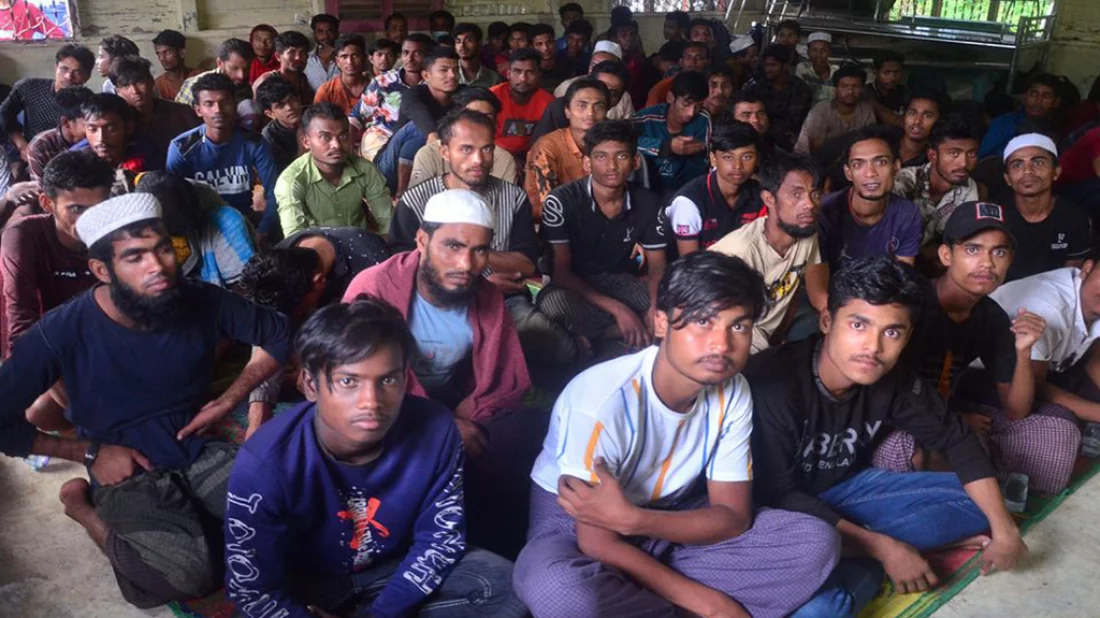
{"x":1054,"y":295}
{"x":657,"y":454}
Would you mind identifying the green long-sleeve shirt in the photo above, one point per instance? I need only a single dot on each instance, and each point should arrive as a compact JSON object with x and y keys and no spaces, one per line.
{"x":307,"y":200}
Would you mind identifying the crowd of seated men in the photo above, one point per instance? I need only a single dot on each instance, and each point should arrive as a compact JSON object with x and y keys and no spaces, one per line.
{"x":381,"y":260}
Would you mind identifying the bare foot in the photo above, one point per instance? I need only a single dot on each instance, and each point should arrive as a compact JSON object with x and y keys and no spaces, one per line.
{"x":977,"y":541}
{"x":76,"y":495}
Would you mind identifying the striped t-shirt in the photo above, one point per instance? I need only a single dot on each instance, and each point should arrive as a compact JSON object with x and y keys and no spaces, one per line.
{"x":657,"y":454}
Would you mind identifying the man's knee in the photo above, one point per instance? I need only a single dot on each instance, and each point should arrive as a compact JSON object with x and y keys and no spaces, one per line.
{"x":173,"y":572}
{"x":544,"y":569}
{"x":817,"y":542}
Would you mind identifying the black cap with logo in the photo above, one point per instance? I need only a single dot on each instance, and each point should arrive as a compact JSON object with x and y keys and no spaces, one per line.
{"x":970,"y":218}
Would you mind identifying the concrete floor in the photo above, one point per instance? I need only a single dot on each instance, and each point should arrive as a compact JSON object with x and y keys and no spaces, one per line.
{"x":50,"y":569}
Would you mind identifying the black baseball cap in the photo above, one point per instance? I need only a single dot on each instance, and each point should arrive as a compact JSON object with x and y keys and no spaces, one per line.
{"x":970,"y":218}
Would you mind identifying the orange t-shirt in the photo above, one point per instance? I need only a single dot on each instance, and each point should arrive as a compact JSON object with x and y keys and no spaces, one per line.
{"x":659,"y":92}
{"x":516,"y":123}
{"x":333,"y":91}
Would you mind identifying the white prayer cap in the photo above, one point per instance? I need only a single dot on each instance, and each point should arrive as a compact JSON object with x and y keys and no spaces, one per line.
{"x":1030,"y":139}
{"x":609,"y":47}
{"x":740,"y":43}
{"x":458,"y":206}
{"x":116,"y":213}
{"x":820,"y":36}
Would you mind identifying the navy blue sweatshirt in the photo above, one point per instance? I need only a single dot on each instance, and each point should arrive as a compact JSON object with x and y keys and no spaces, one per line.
{"x":295,"y":514}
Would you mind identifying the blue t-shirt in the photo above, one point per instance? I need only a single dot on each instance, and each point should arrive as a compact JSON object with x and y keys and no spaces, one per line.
{"x":444,"y":339}
{"x":1001,"y":131}
{"x":134,"y":388}
{"x":295,"y":515}
{"x":897,"y":234}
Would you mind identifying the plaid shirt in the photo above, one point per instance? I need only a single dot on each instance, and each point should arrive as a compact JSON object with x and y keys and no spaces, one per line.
{"x":913,"y":184}
{"x":44,"y":147}
{"x":35,"y":97}
{"x":377,"y":111}
{"x":786,"y":108}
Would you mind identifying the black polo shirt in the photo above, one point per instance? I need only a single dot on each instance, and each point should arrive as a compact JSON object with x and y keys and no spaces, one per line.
{"x":699,"y":211}
{"x":598,"y":244}
{"x":1066,"y":234}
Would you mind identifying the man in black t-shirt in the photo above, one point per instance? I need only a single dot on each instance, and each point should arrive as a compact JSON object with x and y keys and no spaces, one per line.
{"x":960,"y":324}
{"x":593,"y":225}
{"x":818,"y":407}
{"x":711,"y":206}
{"x":1051,"y":232}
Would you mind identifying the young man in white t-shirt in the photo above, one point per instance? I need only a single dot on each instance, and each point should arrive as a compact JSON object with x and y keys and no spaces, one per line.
{"x":1064,"y":360}
{"x":620,"y":522}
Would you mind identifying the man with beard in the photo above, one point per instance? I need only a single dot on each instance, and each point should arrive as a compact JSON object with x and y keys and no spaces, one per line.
{"x":381,"y":531}
{"x":817,"y":71}
{"x":321,"y":64}
{"x":720,"y":89}
{"x":375,"y":116}
{"x":429,"y":161}
{"x":818,"y":405}
{"x":157,"y":482}
{"x":943,"y":183}
{"x":673,"y":136}
{"x":922,"y":111}
{"x":471,"y":70}
{"x":230,"y":159}
{"x":109,"y":133}
{"x":782,"y":245}
{"x":846,"y":112}
{"x":328,"y":185}
{"x":470,"y":153}
{"x":1051,"y":232}
{"x":522,"y":103}
{"x":867,"y":218}
{"x":34,"y":97}
{"x":556,"y":158}
{"x":616,"y":516}
{"x":159,"y":120}
{"x":712,"y":206}
{"x":234,"y":61}
{"x":593,"y":225}
{"x":960,"y":324}
{"x":469,"y":357}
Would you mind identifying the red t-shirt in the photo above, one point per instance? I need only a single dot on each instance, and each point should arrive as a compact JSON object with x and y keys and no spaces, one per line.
{"x":516,"y":123}
{"x":1077,"y":161}
{"x":260,"y":67}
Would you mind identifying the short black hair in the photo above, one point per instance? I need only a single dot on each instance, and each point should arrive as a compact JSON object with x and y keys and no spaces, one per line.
{"x":525,"y":54}
{"x":325,"y":110}
{"x":942,"y":101}
{"x":100,"y":104}
{"x":235,"y":46}
{"x":324,"y":18}
{"x":1046,"y":79}
{"x":780,"y":164}
{"x":616,"y":29}
{"x":76,"y":169}
{"x":117,"y":45}
{"x":704,"y":283}
{"x":70,"y":101}
{"x":886,"y":134}
{"x":442,"y":15}
{"x":953,"y":126}
{"x":346,"y":333}
{"x":671,"y":51}
{"x":610,"y":131}
{"x":170,"y":38}
{"x":746,"y":97}
{"x":621,"y":15}
{"x":268,"y":28}
{"x":789,"y":24}
{"x":586,"y":82}
{"x":724,"y":70}
{"x":878,"y":280}
{"x":279,"y":279}
{"x":129,"y":70}
{"x":696,"y":45}
{"x":611,"y":67}
{"x":212,"y":82}
{"x":421,"y":39}
{"x":351,"y":38}
{"x":570,"y":7}
{"x":273,"y":90}
{"x":393,"y":16}
{"x":498,"y":28}
{"x":447,"y":124}
{"x":733,"y":135}
{"x":582,"y":27}
{"x":439,"y":52}
{"x":81,"y":54}
{"x":690,"y":84}
{"x":540,"y":29}
{"x":103,"y":249}
{"x":289,"y":39}
{"x":382,"y":45}
{"x":887,"y":55}
{"x":777,"y":52}
{"x":848,"y":71}
{"x":469,"y":94}
{"x":181,"y":208}
{"x":468,"y":28}
{"x":682,"y":19}
{"x":520,"y":26}
{"x":700,"y":21}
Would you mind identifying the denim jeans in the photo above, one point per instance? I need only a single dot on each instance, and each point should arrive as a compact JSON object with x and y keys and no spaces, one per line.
{"x":924,"y":509}
{"x":479,"y":585}
{"x":401,"y":147}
